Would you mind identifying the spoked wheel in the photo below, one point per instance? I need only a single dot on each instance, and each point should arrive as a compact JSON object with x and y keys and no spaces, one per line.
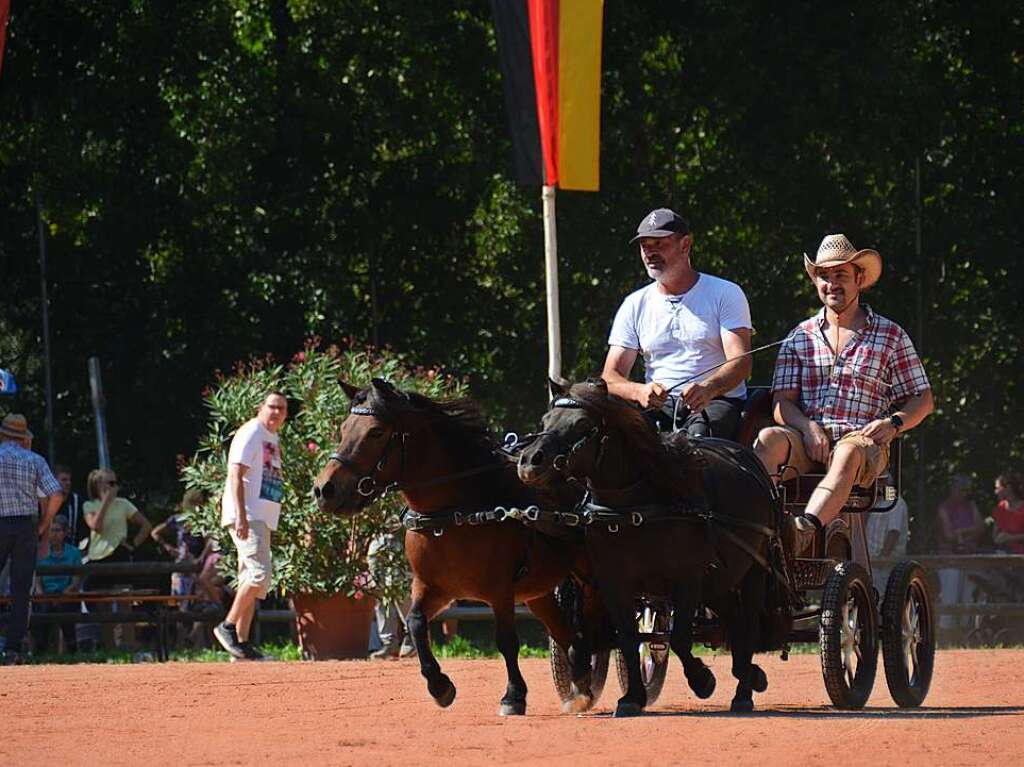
{"x":653,"y":655}
{"x":848,"y":635}
{"x":908,"y":639}
{"x":561,"y":672}
{"x":568,"y":597}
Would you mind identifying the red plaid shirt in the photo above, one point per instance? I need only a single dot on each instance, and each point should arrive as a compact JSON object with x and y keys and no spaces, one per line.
{"x":878,"y":367}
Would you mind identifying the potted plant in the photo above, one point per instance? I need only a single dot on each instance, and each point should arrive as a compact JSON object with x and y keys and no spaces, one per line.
{"x":320,"y":560}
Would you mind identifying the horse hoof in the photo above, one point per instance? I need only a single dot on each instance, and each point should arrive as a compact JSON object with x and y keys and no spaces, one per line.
{"x":578,"y":704}
{"x":703,"y":685}
{"x":515,"y":708}
{"x":742,"y":705}
{"x":758,"y":679}
{"x":446,"y":696}
{"x":628,"y":709}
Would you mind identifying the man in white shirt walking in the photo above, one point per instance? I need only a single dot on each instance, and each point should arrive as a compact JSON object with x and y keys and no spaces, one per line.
{"x":251,"y":507}
{"x":683,"y":323}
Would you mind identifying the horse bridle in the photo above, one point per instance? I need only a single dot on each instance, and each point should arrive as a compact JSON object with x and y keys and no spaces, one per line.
{"x":561,"y":462}
{"x":367,"y":486}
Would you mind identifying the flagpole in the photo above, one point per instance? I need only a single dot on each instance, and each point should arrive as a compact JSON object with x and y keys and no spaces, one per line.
{"x":551,"y":270}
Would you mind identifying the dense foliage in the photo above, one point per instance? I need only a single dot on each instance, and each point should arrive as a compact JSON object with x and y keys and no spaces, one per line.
{"x":222,"y":179}
{"x":313,"y":551}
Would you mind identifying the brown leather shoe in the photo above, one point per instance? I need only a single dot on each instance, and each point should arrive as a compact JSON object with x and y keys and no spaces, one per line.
{"x":798,"y":536}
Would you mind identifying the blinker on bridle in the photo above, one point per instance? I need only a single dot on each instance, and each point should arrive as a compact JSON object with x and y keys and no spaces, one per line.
{"x":560,"y":462}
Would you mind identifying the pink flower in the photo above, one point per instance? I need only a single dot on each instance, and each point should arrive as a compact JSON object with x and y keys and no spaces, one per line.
{"x":299,"y":357}
{"x":312,"y":447}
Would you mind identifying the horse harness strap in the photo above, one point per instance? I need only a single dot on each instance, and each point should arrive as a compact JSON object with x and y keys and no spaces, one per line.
{"x":438,"y":523}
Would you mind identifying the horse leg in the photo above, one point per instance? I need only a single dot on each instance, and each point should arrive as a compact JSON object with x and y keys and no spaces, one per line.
{"x":575,"y":646}
{"x":507,"y":641}
{"x":622,"y":611}
{"x":425,"y":605}
{"x":744,"y":631}
{"x":698,"y":676}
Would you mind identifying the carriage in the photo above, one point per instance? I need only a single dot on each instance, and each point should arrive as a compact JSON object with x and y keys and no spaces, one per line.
{"x":837,"y":603}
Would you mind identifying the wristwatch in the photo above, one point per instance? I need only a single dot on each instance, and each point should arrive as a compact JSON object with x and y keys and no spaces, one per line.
{"x":896,"y":421}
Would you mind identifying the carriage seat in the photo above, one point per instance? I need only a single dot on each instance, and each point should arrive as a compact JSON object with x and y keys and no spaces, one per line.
{"x":880,"y":497}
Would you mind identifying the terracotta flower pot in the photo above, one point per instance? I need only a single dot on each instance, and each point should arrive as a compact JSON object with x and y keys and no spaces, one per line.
{"x":332,"y":626}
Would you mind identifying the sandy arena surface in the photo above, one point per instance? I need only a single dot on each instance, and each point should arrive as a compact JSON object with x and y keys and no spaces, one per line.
{"x":379,"y":713}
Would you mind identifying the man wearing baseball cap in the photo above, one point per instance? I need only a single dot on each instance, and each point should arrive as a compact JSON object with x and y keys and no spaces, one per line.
{"x":24,"y":478}
{"x":846,"y":382}
{"x":684,"y":323}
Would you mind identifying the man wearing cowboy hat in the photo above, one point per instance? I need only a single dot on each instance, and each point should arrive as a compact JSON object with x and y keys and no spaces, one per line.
{"x":846,"y":382}
{"x":686,"y":324}
{"x":24,"y":476}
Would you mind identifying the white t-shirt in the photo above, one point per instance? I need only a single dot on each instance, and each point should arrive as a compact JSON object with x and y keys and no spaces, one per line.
{"x":879,"y":524}
{"x":679,"y":336}
{"x":258,"y":449}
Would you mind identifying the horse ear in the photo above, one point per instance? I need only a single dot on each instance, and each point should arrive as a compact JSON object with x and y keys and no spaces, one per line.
{"x":350,"y":390}
{"x":559,"y":388}
{"x":384,"y":388}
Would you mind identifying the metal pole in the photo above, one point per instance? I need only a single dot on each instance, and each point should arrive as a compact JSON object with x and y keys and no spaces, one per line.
{"x":98,"y":403}
{"x":551,"y":269}
{"x":919,"y":340}
{"x":47,"y":370}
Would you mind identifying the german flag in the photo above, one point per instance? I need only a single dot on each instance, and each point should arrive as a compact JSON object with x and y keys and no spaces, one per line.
{"x":550,"y":56}
{"x":5,"y":10}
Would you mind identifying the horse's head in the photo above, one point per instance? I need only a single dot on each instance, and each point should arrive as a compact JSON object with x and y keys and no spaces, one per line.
{"x":571,"y":439}
{"x":370,"y":451}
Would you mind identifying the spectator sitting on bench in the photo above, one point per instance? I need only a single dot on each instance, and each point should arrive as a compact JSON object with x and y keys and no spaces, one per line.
{"x":174,"y":537}
{"x":58,"y":552}
{"x":1009,"y":513}
{"x":960,"y":523}
{"x":108,"y":516}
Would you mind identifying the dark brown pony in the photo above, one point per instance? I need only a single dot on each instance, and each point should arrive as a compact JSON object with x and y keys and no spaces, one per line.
{"x":439,"y":456}
{"x":671,"y":549}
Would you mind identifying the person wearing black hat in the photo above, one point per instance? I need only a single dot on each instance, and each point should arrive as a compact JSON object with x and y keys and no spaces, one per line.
{"x":684,"y":323}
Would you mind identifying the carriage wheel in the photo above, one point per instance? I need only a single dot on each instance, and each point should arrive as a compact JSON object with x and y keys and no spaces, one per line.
{"x":848,"y":636}
{"x":653,"y":655}
{"x":567,"y":595}
{"x":908,"y":639}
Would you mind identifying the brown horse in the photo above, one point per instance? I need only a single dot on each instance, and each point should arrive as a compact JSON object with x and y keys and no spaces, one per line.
{"x":458,"y":488}
{"x":668,"y":520}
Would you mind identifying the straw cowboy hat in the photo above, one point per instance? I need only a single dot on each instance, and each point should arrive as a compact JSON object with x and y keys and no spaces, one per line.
{"x":15,"y":426}
{"x":836,"y":250}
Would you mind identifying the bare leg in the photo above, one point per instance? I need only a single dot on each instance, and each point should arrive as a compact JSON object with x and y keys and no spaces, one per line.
{"x":771,"y":447}
{"x":832,"y":492}
{"x":242,"y":609}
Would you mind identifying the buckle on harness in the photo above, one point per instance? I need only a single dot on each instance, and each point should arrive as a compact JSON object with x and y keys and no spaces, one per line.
{"x":636,"y":518}
{"x":366,"y":487}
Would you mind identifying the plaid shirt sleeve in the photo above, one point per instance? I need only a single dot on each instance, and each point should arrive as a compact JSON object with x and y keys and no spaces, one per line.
{"x":46,"y":482}
{"x":787,"y":366}
{"x":906,"y":371}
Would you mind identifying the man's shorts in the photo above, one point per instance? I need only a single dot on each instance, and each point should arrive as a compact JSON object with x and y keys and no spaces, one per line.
{"x":254,"y":566}
{"x":874,"y":457}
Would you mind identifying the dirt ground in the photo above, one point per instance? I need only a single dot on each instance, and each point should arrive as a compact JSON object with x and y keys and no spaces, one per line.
{"x":379,"y":713}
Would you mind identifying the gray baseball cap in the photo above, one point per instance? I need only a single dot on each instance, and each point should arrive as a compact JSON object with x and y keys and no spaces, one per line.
{"x":661,"y":223}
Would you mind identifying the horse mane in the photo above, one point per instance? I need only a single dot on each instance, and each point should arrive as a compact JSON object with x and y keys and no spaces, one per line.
{"x":670,"y":463}
{"x":461,"y":430}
